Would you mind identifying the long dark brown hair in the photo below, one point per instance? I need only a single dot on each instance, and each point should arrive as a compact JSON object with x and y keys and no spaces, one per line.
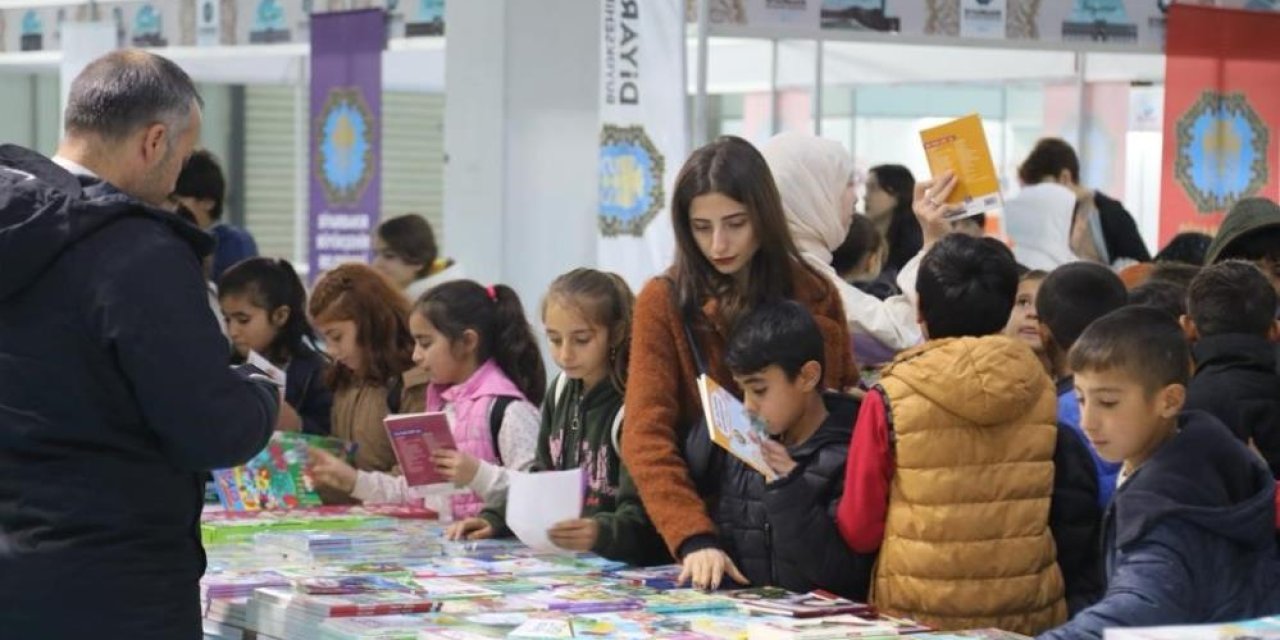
{"x":380,"y":312}
{"x":732,"y":167}
{"x":497,"y":316}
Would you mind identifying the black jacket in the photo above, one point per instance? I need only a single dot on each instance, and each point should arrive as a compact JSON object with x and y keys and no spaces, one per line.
{"x":1189,"y":538}
{"x":1075,"y":520}
{"x":115,"y":398}
{"x":1119,"y":230}
{"x":1236,"y":381}
{"x":306,"y":391}
{"x":784,"y":533}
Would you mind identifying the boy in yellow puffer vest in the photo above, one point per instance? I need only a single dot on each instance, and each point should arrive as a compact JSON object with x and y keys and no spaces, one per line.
{"x":951,"y":470}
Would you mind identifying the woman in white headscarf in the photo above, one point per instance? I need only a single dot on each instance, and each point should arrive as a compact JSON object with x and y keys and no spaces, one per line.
{"x":815,"y":179}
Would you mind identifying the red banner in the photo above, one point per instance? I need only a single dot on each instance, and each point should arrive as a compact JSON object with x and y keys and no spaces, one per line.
{"x":1221,"y":111}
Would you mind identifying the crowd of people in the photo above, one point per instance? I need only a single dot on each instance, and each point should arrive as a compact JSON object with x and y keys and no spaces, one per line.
{"x":1056,"y":439}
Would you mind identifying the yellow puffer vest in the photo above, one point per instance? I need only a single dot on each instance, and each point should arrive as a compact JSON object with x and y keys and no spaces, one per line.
{"x":967,"y":541}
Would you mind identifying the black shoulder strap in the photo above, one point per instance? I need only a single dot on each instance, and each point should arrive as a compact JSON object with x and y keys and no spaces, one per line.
{"x":394,"y":393}
{"x":496,"y":414}
{"x":687,"y":321}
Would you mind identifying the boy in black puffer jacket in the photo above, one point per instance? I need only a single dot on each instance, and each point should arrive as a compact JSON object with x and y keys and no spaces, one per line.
{"x":783,"y":533}
{"x":1231,"y":319}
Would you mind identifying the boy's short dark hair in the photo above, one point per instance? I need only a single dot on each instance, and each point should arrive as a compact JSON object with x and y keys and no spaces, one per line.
{"x":1166,"y":296}
{"x":1232,"y":297}
{"x":1075,"y":295}
{"x":202,"y":178}
{"x":967,"y":287}
{"x":1048,"y":159}
{"x":779,"y":333}
{"x":862,"y":240}
{"x":1144,"y":343}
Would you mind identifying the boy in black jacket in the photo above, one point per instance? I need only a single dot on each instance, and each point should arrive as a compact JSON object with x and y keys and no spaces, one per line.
{"x":783,"y":533}
{"x":1231,"y":320}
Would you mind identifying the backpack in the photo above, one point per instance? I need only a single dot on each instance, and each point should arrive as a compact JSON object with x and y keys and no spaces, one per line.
{"x":562,"y":381}
{"x":497,"y":411}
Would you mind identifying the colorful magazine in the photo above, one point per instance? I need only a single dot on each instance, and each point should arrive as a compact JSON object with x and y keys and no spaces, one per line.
{"x":825,"y":628}
{"x":276,"y":478}
{"x":688,"y":601}
{"x":732,"y":427}
{"x":780,"y":602}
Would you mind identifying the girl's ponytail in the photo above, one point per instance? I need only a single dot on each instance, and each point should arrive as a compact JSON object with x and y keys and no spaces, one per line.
{"x":497,"y":316}
{"x":514,"y":347}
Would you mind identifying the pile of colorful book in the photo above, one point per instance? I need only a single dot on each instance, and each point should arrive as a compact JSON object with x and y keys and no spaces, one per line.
{"x":367,"y":576}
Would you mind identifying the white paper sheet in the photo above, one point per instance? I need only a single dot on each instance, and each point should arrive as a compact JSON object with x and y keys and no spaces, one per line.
{"x":536,"y":501}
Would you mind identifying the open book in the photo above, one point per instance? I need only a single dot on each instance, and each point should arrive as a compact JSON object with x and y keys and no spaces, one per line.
{"x":413,"y":437}
{"x":734,"y":428}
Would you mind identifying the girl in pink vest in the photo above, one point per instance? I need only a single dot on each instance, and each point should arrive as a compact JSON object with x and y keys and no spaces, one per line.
{"x":476,"y":347}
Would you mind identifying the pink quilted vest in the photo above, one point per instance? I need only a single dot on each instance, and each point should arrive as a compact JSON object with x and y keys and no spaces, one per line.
{"x":470,"y":402}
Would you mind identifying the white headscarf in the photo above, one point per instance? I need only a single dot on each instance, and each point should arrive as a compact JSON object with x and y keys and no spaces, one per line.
{"x":812,"y":174}
{"x":1038,"y":221}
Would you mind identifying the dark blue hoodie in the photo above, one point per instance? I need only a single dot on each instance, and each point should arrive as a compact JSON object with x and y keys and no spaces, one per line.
{"x":1189,"y":538}
{"x":115,"y":398}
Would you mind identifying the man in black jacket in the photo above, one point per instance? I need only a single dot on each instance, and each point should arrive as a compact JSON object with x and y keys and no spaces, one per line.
{"x":1231,"y":321}
{"x":115,"y":395}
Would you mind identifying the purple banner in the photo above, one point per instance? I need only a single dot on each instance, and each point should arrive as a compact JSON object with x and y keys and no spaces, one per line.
{"x":346,"y":132}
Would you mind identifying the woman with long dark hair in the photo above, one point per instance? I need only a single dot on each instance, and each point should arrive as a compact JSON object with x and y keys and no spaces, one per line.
{"x":733,"y":252}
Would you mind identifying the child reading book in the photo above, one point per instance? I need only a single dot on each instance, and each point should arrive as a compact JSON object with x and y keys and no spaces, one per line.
{"x":364,"y":321}
{"x":782,"y":532}
{"x":1190,"y":535}
{"x":475,"y":346}
{"x":587,"y":314}
{"x":265,"y":306}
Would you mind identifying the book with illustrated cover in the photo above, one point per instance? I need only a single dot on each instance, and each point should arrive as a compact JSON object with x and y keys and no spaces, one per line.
{"x":825,"y":628}
{"x":663,"y":577}
{"x":345,"y":585}
{"x":734,"y":428}
{"x":276,"y":478}
{"x":397,"y":627}
{"x":780,"y":602}
{"x":374,"y":603}
{"x":414,"y":436}
{"x":688,"y":601}
{"x":960,"y":146}
{"x":452,"y":589}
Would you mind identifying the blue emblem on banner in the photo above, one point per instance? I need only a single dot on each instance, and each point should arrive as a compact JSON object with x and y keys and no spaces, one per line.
{"x":345,"y":162}
{"x":1222,"y":151}
{"x":631,"y":171}
{"x":270,"y":25}
{"x":147,"y":27}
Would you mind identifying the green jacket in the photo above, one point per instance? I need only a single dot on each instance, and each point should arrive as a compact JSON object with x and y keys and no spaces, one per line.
{"x":577,"y":432}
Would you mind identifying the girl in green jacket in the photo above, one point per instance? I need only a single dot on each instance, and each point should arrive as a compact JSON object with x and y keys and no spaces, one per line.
{"x":587,"y":314}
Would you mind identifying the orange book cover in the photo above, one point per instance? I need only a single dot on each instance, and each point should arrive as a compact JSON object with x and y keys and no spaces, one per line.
{"x":960,"y":146}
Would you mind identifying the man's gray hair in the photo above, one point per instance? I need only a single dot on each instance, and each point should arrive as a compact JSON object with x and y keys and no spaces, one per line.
{"x":126,"y":90}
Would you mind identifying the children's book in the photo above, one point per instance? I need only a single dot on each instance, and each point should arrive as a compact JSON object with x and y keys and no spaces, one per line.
{"x":826,"y":628}
{"x":414,"y":436}
{"x":276,"y":478}
{"x":235,"y":584}
{"x":543,"y":629}
{"x":688,"y":601}
{"x":663,"y":577}
{"x":374,"y":603}
{"x":1259,"y":629}
{"x":960,"y":146}
{"x":579,"y":600}
{"x":734,"y":428}
{"x":780,"y":602}
{"x":345,"y":585}
{"x":400,"y":627}
{"x":452,"y":589}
